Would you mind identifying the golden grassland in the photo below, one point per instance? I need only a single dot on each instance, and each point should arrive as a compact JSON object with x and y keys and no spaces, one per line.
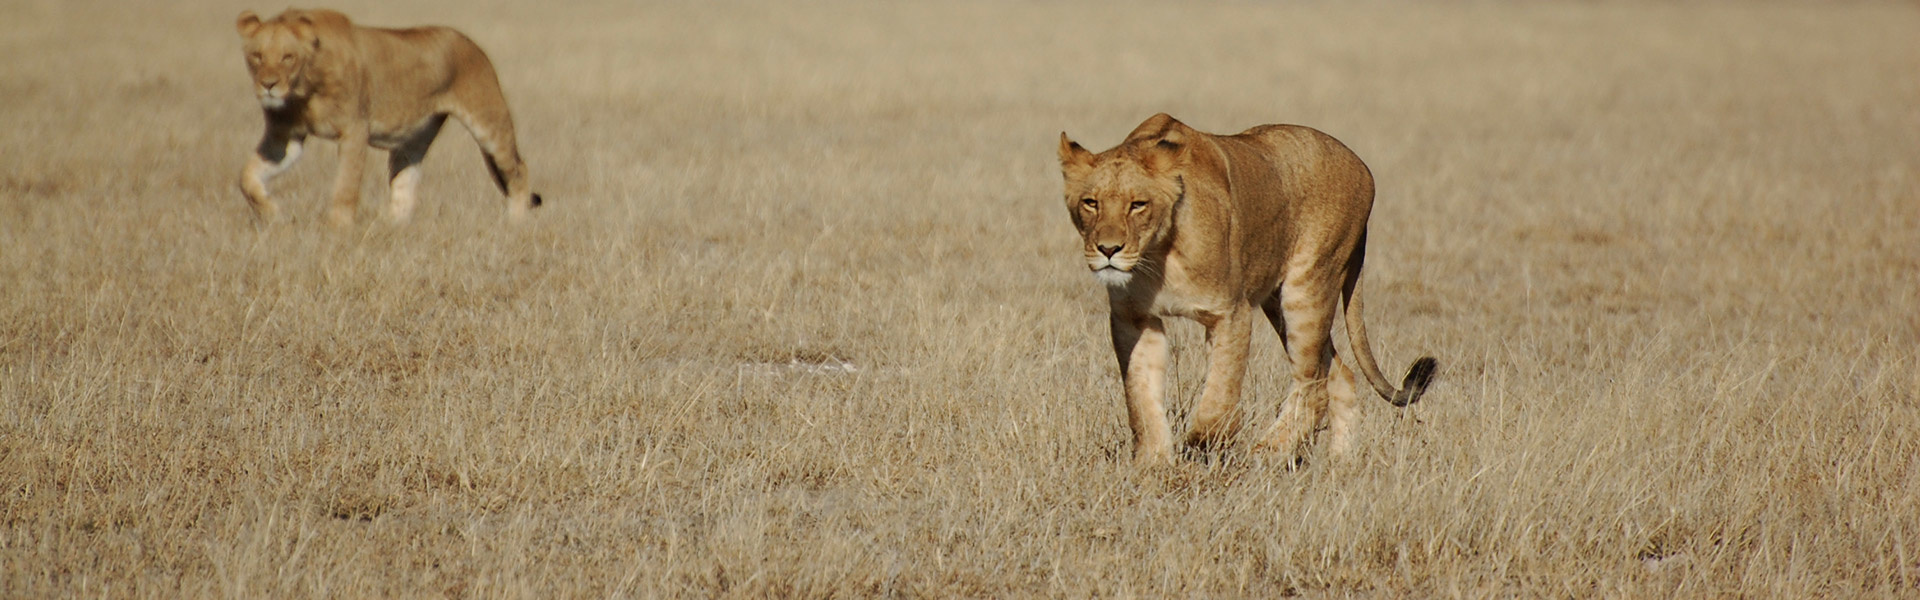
{"x":804,"y":315}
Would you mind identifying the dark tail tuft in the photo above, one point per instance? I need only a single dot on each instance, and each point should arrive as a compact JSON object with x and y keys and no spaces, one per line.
{"x":536,"y":200}
{"x":1418,"y":377}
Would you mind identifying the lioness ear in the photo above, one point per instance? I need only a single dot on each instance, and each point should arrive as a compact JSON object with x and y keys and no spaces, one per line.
{"x":303,"y":30}
{"x":1155,"y":127}
{"x":1161,"y":141}
{"x":1163,"y":154}
{"x":1073,"y":158}
{"x":247,"y":23}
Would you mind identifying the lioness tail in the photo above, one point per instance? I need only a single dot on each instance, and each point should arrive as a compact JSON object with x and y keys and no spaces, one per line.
{"x":1418,"y":376}
{"x":1416,"y":382}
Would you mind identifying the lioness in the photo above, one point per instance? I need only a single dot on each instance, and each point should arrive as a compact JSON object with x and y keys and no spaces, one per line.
{"x":1180,"y":223}
{"x":316,"y":73}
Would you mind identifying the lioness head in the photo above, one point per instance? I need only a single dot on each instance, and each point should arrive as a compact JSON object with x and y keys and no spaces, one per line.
{"x":279,"y":54}
{"x":1123,"y":200}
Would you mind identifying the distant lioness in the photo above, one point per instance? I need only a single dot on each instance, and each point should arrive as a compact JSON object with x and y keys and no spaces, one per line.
{"x":316,"y":73}
{"x":1180,"y":223}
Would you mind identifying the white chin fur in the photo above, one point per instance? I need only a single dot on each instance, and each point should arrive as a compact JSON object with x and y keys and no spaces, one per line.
{"x":268,"y":101}
{"x":1113,"y":277}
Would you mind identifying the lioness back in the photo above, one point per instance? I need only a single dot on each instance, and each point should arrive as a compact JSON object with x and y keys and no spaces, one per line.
{"x":1268,"y":171}
{"x":422,"y":69}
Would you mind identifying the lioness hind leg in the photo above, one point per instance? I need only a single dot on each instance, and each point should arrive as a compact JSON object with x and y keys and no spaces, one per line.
{"x":275,"y":154}
{"x":1308,"y":319}
{"x":403,"y":170}
{"x":1271,"y":308}
{"x":492,"y":129}
{"x":1300,"y":414}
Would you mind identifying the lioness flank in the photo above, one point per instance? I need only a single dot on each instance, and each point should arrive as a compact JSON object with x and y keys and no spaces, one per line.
{"x":316,"y":73}
{"x":1180,"y":223}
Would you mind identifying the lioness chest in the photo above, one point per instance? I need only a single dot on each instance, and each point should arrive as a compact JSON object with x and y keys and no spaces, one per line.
{"x":1187,"y":288}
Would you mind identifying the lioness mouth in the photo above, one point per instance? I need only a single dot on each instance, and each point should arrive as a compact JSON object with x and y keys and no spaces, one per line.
{"x":1112,"y":276}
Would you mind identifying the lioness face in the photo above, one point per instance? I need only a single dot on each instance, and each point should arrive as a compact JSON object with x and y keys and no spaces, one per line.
{"x":278,"y":54}
{"x":1122,"y":201}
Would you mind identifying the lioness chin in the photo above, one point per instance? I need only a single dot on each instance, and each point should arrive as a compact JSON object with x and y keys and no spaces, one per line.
{"x":1180,"y":223}
{"x":315,"y":73}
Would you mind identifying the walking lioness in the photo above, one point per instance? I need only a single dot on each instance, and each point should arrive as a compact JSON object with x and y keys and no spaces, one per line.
{"x":316,"y":73}
{"x":1180,"y":223}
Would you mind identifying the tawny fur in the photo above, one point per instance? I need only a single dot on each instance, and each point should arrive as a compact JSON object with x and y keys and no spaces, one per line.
{"x":1273,"y":221}
{"x":317,"y":74}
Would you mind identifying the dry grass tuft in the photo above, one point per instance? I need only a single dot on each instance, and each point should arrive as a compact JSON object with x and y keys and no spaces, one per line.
{"x":802,"y":317}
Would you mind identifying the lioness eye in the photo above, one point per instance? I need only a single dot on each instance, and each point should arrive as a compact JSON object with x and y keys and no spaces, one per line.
{"x":1138,"y":204}
{"x":1090,"y":203}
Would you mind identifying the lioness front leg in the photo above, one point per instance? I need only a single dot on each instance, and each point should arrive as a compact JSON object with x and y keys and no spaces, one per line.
{"x":346,"y":186}
{"x":277,"y":151}
{"x":1217,"y":417}
{"x":1141,"y":345}
{"x":1342,"y":412}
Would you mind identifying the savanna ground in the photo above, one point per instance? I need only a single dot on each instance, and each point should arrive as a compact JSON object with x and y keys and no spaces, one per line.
{"x":804,"y":315}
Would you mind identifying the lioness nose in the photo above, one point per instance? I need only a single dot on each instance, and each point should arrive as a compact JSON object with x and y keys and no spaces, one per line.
{"x":1109,"y":249}
{"x":269,"y":82}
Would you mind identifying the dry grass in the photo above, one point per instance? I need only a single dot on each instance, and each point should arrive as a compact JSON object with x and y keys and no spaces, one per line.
{"x":804,"y":317}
